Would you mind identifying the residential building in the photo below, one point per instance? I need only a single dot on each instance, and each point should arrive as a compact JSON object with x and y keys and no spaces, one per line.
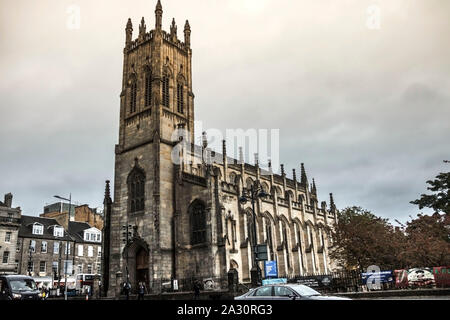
{"x":9,"y":230}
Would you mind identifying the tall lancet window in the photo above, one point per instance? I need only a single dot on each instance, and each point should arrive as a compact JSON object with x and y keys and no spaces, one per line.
{"x":165,"y":91}
{"x":133,"y":96}
{"x":148,"y":88}
{"x":136,"y":190}
{"x":286,"y":244}
{"x":180,"y":98}
{"x":198,"y":222}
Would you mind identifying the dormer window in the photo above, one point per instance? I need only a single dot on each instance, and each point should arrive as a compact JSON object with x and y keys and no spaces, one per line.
{"x":38,"y":229}
{"x":58,"y":231}
{"x":92,"y":236}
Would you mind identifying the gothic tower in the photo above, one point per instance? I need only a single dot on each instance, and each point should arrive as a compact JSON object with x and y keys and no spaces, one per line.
{"x":156,"y":98}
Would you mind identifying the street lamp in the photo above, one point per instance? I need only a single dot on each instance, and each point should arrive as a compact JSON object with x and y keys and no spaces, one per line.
{"x":30,"y":259}
{"x":67,"y":244}
{"x":127,"y":235}
{"x":256,"y":191}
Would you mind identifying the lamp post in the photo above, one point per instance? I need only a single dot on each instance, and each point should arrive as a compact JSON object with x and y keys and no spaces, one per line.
{"x":256,"y":191}
{"x":127,"y":234}
{"x":67,"y":243}
{"x":29,"y":259}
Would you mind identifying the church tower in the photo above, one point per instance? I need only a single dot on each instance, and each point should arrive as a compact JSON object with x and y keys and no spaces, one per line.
{"x":156,"y":98}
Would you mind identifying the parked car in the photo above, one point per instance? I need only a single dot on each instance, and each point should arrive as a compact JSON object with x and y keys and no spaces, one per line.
{"x":18,"y":287}
{"x":286,"y":292}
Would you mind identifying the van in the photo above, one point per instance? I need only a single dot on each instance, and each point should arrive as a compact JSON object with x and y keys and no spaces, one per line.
{"x":18,"y":287}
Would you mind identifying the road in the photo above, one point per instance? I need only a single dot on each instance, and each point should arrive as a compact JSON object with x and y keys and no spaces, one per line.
{"x":409,"y":298}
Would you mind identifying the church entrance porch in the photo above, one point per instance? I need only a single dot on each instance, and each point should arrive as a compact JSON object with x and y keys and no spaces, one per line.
{"x":136,"y":264}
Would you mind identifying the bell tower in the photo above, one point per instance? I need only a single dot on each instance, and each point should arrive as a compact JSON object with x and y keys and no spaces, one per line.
{"x":156,"y":98}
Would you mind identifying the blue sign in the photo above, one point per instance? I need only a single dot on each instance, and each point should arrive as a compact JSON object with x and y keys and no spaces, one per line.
{"x":270,"y":269}
{"x":274,"y":281}
{"x":383,"y":276}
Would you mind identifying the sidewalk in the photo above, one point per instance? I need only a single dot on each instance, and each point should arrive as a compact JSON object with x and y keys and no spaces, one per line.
{"x":396,"y":293}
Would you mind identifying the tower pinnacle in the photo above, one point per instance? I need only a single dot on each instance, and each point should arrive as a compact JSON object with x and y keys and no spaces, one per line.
{"x":158,"y":15}
{"x":303,"y":178}
{"x":128,"y":32}
{"x":187,"y":34}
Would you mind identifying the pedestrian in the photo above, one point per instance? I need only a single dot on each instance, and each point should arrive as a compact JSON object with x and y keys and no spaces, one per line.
{"x":141,"y":291}
{"x":127,"y":288}
{"x":196,"y":290}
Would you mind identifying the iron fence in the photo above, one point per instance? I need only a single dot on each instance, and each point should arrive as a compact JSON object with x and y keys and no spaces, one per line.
{"x":342,"y":281}
{"x":187,"y":284}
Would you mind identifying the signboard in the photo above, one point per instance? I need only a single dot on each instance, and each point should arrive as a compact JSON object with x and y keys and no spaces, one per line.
{"x":274,"y":281}
{"x":261,"y":252}
{"x":319,"y":281}
{"x":377,"y":277}
{"x":270,"y":269}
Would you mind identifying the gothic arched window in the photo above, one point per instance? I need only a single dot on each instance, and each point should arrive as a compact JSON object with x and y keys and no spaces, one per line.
{"x":148,"y":88}
{"x":286,"y":244}
{"x":180,"y":101}
{"x":133,"y":96}
{"x":269,"y":238}
{"x":198,"y":222}
{"x":250,"y":229}
{"x":136,"y":190}
{"x":165,"y":91}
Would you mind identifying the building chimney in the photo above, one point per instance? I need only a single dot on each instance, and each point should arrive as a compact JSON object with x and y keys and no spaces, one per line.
{"x":8,"y":200}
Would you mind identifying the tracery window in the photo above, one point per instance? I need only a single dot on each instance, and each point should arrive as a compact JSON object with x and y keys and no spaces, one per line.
{"x":165,"y":91}
{"x":198,"y":223}
{"x":133,"y":96}
{"x":136,"y":191}
{"x":180,"y":98}
{"x":285,"y":244}
{"x":148,"y":88}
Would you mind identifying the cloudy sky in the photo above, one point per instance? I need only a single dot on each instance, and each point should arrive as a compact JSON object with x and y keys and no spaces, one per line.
{"x":360,"y":91}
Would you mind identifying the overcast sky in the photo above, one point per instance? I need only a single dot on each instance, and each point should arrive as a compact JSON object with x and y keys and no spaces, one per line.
{"x":363,"y":102}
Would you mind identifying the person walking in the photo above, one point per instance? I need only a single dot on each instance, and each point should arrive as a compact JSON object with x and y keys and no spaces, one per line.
{"x":142,"y":291}
{"x":126,"y":289}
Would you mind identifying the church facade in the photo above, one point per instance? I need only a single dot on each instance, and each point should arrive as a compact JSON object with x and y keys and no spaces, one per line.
{"x":184,"y":220}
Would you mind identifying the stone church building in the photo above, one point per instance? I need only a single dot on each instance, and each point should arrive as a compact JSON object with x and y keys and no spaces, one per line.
{"x":177,"y":221}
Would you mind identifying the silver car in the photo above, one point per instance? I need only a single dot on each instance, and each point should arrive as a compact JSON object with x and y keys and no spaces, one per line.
{"x":286,"y":292}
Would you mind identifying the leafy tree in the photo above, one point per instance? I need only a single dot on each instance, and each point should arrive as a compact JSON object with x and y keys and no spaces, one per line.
{"x":439,"y":201}
{"x":427,"y":241}
{"x":361,"y":239}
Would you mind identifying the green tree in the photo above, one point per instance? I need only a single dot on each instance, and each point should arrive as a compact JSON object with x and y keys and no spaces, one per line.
{"x":439,"y":200}
{"x":361,"y":239}
{"x":427,"y":241}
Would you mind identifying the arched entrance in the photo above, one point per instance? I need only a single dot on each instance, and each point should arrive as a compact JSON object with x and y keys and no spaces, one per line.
{"x":136,"y":261}
{"x":142,"y":267}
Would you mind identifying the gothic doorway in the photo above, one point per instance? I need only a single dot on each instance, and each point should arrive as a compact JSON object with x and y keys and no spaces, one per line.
{"x":142,"y":267}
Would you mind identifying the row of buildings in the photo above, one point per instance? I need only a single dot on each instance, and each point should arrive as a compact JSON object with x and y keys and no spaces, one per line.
{"x":61,"y":238}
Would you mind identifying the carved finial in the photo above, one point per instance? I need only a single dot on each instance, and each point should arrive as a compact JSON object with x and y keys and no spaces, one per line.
{"x":303,"y":178}
{"x":128,"y":32}
{"x":107,"y":198}
{"x":282,"y":170}
{"x":187,"y":34}
{"x":332,"y":205}
{"x":142,"y":28}
{"x":313,"y":188}
{"x":107,"y":189}
{"x":294,"y":176}
{"x":224,"y":148}
{"x":173,"y":30}
{"x":158,"y":16}
{"x":256,"y":159}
